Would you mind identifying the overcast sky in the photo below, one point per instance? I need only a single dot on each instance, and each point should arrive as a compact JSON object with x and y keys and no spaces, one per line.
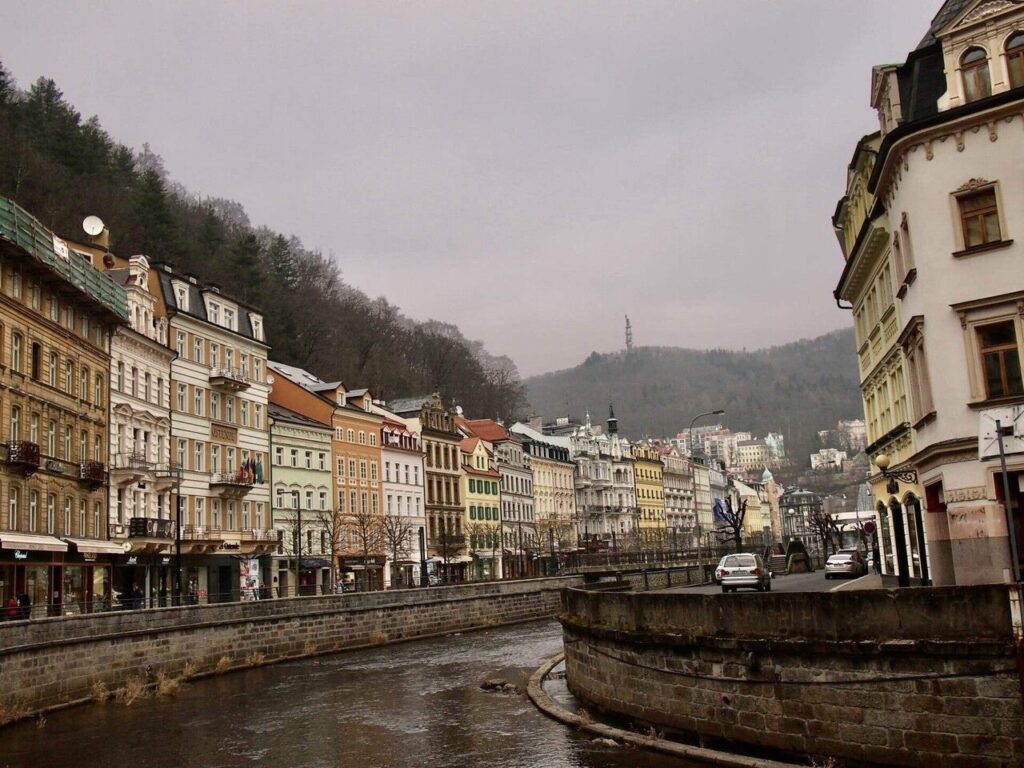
{"x":531,"y":171}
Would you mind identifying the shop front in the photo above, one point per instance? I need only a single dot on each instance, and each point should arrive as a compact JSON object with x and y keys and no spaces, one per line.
{"x":44,"y":578}
{"x":364,"y":572}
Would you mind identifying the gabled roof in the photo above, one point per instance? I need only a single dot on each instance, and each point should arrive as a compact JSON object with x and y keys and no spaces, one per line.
{"x":196,"y":300}
{"x":949,"y":11}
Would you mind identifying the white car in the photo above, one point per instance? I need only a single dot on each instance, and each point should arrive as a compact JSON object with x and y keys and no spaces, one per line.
{"x":745,"y":570}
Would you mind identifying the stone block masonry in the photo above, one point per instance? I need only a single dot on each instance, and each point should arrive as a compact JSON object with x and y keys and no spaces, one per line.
{"x":922,"y":677}
{"x":52,"y":662}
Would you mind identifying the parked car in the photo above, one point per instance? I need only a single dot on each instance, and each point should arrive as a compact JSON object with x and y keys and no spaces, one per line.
{"x":845,"y":562}
{"x":719,"y":568}
{"x":744,"y":570}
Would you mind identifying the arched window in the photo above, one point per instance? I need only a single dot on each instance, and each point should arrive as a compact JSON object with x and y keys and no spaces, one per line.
{"x":1015,"y":59}
{"x":974,"y":69}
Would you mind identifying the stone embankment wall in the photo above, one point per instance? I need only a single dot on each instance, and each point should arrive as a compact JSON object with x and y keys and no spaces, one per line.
{"x":914,"y":677}
{"x":50,"y":662}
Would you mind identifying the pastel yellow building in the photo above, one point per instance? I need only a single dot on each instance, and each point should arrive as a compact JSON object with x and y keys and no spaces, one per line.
{"x":482,"y":509}
{"x":650,"y":494}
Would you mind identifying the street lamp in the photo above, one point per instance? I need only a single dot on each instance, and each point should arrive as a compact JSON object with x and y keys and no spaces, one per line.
{"x":717,"y":412}
{"x":892,"y":486}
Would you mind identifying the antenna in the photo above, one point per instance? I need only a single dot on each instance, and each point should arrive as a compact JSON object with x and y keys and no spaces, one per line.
{"x":629,"y":334}
{"x":92,"y":225}
{"x":97,"y":230}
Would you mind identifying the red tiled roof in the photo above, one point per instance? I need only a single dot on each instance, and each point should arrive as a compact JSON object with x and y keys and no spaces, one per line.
{"x":486,"y":429}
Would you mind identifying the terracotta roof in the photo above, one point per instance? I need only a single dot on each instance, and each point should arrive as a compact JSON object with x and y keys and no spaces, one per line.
{"x":486,"y":429}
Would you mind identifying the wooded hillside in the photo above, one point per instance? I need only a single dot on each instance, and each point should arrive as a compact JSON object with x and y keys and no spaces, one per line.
{"x":796,"y":389}
{"x":62,"y":168}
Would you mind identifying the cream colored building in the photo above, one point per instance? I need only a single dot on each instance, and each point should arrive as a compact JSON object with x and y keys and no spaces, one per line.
{"x":929,"y":227}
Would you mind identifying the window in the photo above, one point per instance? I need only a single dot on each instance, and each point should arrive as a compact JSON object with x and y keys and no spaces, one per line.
{"x":362,"y":469}
{"x":229,"y":408}
{"x":33,"y":510}
{"x":373,"y":439}
{"x":182,"y":391}
{"x":215,"y":406}
{"x":68,"y":436}
{"x":182,"y":448}
{"x":197,"y":350}
{"x":198,"y":465}
{"x":16,"y":351}
{"x":12,"y":507}
{"x":214,"y":355}
{"x":278,"y":455}
{"x":351,"y":469}
{"x":373,"y":471}
{"x":83,"y":384}
{"x":1000,"y":359}
{"x":974,"y":70}
{"x":51,"y":511}
{"x":1015,"y":59}
{"x":54,"y":307}
{"x":258,"y":411}
{"x":51,"y":438}
{"x":198,"y":402}
{"x":362,"y":438}
{"x":51,"y":370}
{"x":979,"y":217}
{"x":244,"y":412}
{"x":180,"y":345}
{"x":351,"y":435}
{"x":67,"y":516}
{"x":322,"y":461}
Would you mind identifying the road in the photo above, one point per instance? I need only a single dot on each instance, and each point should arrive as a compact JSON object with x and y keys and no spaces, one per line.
{"x":797,"y":582}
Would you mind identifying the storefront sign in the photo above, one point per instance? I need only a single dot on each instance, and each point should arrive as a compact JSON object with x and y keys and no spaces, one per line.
{"x":951,"y":495}
{"x":20,"y":554}
{"x":133,"y":560}
{"x":165,"y":561}
{"x":89,"y":557}
{"x":230,"y":545}
{"x":226,"y":434}
{"x":55,"y":466}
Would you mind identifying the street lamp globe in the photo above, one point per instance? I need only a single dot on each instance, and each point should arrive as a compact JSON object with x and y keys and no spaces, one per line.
{"x":882,"y":461}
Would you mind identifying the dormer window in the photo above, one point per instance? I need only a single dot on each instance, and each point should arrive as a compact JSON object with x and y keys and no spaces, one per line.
{"x":229,"y":318}
{"x":1015,"y":59}
{"x":257,"y":327}
{"x":214,"y":314}
{"x":974,"y":70}
{"x":181,"y":296}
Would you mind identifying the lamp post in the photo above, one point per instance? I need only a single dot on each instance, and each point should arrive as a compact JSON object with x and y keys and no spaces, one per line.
{"x":716,"y":412}
{"x":892,"y":486}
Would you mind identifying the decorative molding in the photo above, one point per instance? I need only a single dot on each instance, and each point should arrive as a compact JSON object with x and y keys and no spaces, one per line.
{"x":972,"y":185}
{"x":929,"y":154}
{"x":986,"y":10}
{"x":959,"y":136}
{"x":993,"y":135}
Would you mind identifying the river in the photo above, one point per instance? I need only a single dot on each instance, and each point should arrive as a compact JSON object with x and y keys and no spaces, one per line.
{"x":414,"y":704}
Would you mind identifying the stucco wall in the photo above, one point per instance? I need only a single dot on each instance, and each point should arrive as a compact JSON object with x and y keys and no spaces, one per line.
{"x":805,"y":674}
{"x":48,"y":662}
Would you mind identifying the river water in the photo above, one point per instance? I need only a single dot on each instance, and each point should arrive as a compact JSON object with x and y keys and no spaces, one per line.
{"x":414,"y":704}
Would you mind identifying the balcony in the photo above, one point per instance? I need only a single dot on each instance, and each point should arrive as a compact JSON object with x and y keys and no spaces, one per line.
{"x":93,"y":472}
{"x":229,"y":379}
{"x":236,"y":483}
{"x":258,"y":542}
{"x":128,"y":468}
{"x":199,"y":539}
{"x":149,"y":535}
{"x":24,"y":455}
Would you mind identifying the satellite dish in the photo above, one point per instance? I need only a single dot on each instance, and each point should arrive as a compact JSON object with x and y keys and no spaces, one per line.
{"x":93,"y":225}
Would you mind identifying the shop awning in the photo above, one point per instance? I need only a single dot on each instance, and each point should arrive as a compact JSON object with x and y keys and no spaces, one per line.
{"x":95,"y":546}
{"x":32,"y":541}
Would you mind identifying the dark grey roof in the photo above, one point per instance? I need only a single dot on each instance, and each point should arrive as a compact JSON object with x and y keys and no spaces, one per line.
{"x":949,"y":11}
{"x":404,"y":406}
{"x":196,"y":304}
{"x":277,"y":413}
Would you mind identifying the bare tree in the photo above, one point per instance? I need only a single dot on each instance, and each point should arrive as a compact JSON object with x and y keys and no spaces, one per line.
{"x":332,"y":524}
{"x":397,"y":533}
{"x":730,"y":521}
{"x":824,"y":525}
{"x":480,"y":540}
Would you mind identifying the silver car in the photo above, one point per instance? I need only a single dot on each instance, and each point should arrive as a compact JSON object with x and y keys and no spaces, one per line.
{"x":744,"y":570}
{"x":845,"y":562}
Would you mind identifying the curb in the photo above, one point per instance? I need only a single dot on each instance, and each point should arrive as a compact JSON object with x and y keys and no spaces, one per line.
{"x":547,"y":705}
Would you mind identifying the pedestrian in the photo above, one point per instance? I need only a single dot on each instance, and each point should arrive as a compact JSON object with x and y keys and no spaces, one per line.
{"x":876,"y":560}
{"x":13,"y":613}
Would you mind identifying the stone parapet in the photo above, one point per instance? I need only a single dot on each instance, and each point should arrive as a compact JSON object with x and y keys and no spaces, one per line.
{"x":923,"y":677}
{"x":53,"y":662}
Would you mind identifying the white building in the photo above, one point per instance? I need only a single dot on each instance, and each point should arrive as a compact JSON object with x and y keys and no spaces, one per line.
{"x":219,"y":434}
{"x":143,"y":481}
{"x":402,"y":488}
{"x":948,"y":177}
{"x":828,"y":459}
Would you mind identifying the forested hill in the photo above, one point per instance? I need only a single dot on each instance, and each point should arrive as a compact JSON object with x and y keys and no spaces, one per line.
{"x":796,"y":389}
{"x":62,"y":168}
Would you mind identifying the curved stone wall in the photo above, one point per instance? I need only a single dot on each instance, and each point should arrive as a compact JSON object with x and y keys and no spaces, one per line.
{"x":807,"y":673}
{"x":51,"y":662}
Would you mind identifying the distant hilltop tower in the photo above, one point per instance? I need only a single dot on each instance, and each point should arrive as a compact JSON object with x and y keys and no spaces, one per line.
{"x":613,"y":423}
{"x":629,"y":334}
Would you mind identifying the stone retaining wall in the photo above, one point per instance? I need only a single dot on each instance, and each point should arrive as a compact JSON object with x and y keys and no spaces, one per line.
{"x":806,"y":674}
{"x":50,"y":662}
